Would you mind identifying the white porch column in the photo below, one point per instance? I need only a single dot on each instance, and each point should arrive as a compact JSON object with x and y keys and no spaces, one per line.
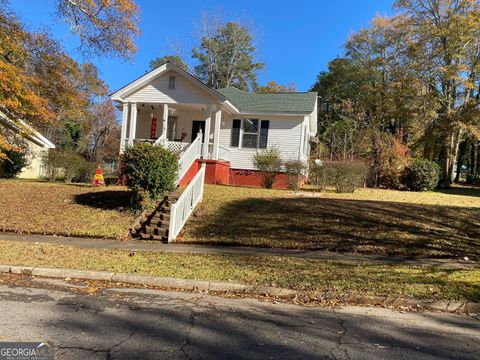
{"x":133,"y":123}
{"x":164,"y":121}
{"x":208,"y":114}
{"x":216,"y":133}
{"x":123,"y":133}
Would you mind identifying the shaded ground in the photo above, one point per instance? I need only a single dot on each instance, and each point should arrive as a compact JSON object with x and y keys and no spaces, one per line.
{"x":136,"y":324}
{"x":337,"y":222}
{"x":52,"y":208}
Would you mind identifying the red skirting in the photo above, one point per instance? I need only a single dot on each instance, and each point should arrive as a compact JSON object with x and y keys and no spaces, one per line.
{"x":216,"y":172}
{"x":219,"y":172}
{"x":254,"y":178}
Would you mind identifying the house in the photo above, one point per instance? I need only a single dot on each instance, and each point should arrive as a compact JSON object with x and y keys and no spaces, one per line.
{"x":36,"y":145}
{"x":168,"y":106}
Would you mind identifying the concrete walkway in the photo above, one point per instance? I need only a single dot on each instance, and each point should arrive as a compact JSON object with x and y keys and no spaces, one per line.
{"x":137,"y":245}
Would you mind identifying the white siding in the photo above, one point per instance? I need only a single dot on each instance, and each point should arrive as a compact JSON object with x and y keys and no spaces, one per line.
{"x":35,"y":155}
{"x":284,"y":133}
{"x":157,"y":91}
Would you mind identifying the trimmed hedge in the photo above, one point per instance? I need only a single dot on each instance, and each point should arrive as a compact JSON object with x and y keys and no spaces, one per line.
{"x":294,"y":170}
{"x":422,"y":175}
{"x":150,"y":169}
{"x":344,"y":176}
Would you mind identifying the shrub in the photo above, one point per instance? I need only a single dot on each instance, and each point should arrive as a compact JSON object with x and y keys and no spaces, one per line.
{"x":345,"y":176}
{"x":422,"y":175}
{"x":473,"y":179}
{"x":269,"y":163}
{"x":85,"y":172}
{"x":318,"y":175}
{"x":294,"y":169}
{"x":68,"y":165}
{"x":150,"y":168}
{"x":389,"y":162}
{"x":13,"y":164}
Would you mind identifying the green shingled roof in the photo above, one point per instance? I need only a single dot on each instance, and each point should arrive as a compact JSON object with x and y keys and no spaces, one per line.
{"x":295,"y":103}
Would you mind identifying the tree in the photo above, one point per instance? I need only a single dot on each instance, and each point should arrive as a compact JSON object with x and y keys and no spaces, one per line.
{"x":174,"y":59}
{"x":274,"y":87}
{"x":446,"y":56}
{"x":415,"y":77}
{"x":226,"y":55}
{"x":100,"y":131}
{"x":105,"y":27}
{"x":19,"y":98}
{"x":44,"y":87}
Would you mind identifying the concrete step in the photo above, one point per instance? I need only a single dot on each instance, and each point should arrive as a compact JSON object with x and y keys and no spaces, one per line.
{"x":154,"y":230}
{"x":153,"y":237}
{"x":157,"y":222}
{"x":160,"y":217}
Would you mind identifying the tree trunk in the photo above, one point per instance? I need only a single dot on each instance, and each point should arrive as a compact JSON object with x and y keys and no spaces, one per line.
{"x":452,"y":141}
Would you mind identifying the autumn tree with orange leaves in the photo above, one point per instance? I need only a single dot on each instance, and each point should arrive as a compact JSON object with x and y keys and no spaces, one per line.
{"x":40,"y":85}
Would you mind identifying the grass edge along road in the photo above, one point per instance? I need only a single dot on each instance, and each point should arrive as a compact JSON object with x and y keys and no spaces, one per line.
{"x":328,"y":280}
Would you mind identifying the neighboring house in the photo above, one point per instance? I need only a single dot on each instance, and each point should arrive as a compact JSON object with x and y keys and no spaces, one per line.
{"x":169,"y":107}
{"x":37,"y":146}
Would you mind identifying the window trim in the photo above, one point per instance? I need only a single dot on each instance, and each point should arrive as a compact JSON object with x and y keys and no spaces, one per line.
{"x":242,"y":132}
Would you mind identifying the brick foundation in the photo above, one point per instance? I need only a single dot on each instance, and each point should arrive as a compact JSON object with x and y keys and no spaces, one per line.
{"x":253,"y":178}
{"x":219,"y":172}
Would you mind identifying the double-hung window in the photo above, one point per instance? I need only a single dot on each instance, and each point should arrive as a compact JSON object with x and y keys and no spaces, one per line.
{"x":249,"y":133}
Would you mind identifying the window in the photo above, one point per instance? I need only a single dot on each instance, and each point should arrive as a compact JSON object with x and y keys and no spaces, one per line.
{"x":235,"y":136}
{"x":171,"y":82}
{"x":250,"y":133}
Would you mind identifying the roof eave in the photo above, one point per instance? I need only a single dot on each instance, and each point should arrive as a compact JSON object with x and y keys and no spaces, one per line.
{"x":34,"y":135}
{"x":283,"y":113}
{"x":128,"y":89}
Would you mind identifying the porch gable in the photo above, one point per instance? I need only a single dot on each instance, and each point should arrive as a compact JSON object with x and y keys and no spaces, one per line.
{"x":168,"y":84}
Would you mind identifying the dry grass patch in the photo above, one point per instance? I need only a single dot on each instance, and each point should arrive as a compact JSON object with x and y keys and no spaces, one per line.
{"x":329,"y":280}
{"x":51,"y":208}
{"x":367,"y":221}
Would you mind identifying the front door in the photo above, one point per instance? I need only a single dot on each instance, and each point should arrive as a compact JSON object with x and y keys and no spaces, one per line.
{"x":198,"y":125}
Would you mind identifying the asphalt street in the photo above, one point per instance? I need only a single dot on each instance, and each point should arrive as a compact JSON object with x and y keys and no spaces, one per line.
{"x":151,"y":324}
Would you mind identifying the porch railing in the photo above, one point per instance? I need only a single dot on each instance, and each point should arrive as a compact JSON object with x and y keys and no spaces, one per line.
{"x":223,"y":152}
{"x":185,"y":204}
{"x":187,"y":158}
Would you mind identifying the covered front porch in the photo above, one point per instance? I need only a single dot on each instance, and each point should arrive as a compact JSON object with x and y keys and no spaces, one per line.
{"x":174,"y":126}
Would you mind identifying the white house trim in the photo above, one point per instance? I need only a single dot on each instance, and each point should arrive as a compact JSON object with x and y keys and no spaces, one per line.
{"x":148,"y":77}
{"x":27,"y":130}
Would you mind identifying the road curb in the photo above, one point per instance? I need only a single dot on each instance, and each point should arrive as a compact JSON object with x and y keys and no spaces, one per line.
{"x":234,"y":288}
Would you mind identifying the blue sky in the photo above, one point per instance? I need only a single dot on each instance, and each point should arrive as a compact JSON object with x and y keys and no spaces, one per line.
{"x":296,"y":39}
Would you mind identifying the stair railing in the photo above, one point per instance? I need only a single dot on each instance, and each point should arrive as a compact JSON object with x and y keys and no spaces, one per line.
{"x":188,"y":157}
{"x":181,"y":210}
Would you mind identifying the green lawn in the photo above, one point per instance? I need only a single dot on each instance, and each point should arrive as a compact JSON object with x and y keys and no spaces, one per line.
{"x":73,"y":209}
{"x":326,"y":280}
{"x":441,"y":224}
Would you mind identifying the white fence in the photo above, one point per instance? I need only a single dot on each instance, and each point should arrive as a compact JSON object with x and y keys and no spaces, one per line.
{"x":189,"y":156}
{"x":186,"y":203}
